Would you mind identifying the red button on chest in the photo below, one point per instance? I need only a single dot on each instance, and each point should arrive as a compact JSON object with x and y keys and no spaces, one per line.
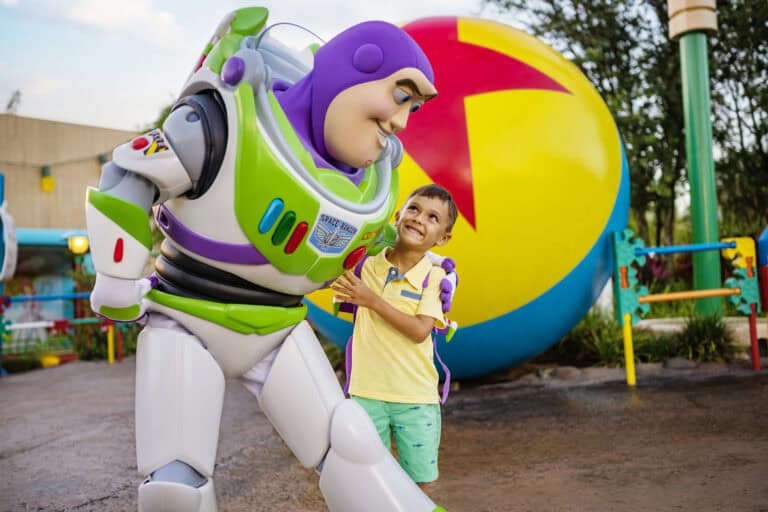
{"x":354,"y":257}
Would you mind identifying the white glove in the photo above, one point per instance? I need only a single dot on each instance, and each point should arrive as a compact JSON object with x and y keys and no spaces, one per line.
{"x":450,"y":281}
{"x":119,"y":299}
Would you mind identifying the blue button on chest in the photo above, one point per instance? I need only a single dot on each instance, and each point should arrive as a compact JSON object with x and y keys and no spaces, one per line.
{"x":271,"y":215}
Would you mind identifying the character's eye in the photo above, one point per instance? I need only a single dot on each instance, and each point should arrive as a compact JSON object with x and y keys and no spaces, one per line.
{"x":416,"y":106}
{"x":401,"y":96}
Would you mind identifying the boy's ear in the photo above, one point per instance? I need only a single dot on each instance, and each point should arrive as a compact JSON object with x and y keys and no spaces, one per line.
{"x":444,"y":239}
{"x":397,"y":216}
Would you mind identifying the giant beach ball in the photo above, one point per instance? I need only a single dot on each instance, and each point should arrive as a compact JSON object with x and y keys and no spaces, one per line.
{"x":534,"y":160}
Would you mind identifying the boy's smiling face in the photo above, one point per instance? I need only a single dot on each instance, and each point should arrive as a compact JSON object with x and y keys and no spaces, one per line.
{"x":422,"y":223}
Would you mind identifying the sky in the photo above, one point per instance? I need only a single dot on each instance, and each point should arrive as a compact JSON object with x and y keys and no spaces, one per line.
{"x":116,"y":64}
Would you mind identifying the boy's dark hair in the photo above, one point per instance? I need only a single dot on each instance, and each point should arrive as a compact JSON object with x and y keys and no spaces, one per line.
{"x":442,"y":194}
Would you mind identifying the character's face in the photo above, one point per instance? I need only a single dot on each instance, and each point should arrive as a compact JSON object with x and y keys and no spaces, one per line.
{"x":422,"y":223}
{"x":359,"y":119}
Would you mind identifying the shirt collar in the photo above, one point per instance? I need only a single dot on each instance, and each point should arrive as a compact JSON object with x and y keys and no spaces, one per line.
{"x":415,"y":276}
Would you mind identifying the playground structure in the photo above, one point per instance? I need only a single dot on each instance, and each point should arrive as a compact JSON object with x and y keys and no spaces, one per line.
{"x":51,"y":305}
{"x":633,"y":300}
{"x":51,"y":355}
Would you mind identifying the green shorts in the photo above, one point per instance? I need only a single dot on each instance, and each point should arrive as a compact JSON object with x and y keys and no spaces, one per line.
{"x":416,"y":428}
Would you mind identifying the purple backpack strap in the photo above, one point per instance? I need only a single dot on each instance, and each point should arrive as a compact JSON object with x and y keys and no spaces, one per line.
{"x":446,"y":371}
{"x":348,"y":349}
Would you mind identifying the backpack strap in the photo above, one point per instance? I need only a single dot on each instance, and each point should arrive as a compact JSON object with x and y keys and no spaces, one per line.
{"x":435,"y":330}
{"x":348,"y":349}
{"x":446,"y":371}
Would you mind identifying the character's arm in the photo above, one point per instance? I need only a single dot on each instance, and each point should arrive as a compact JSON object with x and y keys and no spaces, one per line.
{"x":159,"y":165}
{"x":451,"y":280}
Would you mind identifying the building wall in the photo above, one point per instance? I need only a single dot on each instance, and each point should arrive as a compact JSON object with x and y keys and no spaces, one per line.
{"x":72,"y":153}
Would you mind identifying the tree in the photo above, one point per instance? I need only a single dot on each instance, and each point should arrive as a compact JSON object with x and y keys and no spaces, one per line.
{"x":161,"y":117}
{"x":623,"y":48}
{"x":739,"y":55}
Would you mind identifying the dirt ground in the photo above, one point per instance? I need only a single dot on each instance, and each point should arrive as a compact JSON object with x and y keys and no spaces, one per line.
{"x":563,"y":440}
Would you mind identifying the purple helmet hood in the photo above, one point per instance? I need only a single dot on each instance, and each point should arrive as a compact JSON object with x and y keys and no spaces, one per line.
{"x":369,"y":51}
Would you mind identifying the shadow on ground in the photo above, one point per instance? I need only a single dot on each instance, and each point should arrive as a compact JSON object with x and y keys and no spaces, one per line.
{"x":682,"y":441}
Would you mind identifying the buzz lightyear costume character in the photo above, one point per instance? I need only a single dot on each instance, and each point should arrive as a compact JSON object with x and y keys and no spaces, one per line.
{"x":268,"y":182}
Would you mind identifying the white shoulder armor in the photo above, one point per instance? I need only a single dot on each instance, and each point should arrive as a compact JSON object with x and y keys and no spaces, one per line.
{"x":151,"y":156}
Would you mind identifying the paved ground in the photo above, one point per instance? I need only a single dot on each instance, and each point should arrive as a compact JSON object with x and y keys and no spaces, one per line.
{"x":690,"y":440}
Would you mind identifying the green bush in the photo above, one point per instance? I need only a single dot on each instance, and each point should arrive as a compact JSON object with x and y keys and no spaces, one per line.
{"x":32,"y":352}
{"x":597,"y":341}
{"x":90,"y":341}
{"x":21,"y":363}
{"x":706,"y":338}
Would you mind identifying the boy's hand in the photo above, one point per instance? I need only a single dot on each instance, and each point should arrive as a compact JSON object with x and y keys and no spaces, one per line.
{"x":350,"y":288}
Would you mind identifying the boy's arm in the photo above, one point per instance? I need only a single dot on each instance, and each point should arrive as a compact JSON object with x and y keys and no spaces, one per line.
{"x":351,"y":289}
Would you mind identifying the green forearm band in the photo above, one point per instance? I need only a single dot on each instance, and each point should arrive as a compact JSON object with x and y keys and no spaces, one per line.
{"x":242,"y":318}
{"x":131,"y":217}
{"x":123,"y":314}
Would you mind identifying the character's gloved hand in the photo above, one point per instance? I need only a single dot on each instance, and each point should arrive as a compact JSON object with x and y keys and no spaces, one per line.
{"x":120,"y":299}
{"x":450,"y":281}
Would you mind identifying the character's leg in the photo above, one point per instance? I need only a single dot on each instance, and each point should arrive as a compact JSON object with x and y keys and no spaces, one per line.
{"x":304,"y":402}
{"x":179,"y":394}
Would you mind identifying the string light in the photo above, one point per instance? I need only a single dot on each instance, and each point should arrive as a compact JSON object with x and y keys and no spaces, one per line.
{"x":47,"y":181}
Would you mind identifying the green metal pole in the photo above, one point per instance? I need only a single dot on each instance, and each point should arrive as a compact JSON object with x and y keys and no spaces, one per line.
{"x":701,"y":167}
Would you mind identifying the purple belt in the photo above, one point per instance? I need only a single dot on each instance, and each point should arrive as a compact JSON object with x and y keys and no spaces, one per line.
{"x":243,"y":254}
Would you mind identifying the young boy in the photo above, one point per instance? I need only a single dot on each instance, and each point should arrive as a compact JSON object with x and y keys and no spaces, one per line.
{"x":398,"y":297}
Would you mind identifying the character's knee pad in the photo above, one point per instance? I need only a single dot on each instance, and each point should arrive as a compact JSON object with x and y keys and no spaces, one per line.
{"x":353,"y":436}
{"x":179,"y":396}
{"x":360,"y":474}
{"x":300,"y":394}
{"x":176,"y":497}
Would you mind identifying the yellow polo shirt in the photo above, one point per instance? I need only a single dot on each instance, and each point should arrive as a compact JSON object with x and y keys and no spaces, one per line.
{"x":386,"y":365}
